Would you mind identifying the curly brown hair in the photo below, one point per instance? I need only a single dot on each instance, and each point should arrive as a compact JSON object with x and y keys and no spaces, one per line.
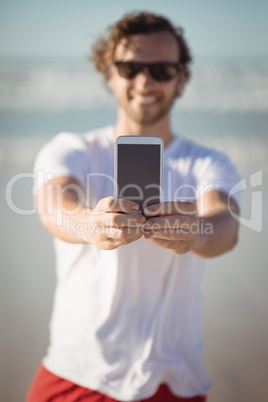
{"x":102,"y":51}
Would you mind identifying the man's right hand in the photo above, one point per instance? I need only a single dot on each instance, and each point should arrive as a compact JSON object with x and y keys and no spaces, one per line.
{"x":114,"y":223}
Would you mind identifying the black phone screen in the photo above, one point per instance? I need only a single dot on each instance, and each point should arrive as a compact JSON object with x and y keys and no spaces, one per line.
{"x":138,"y":173}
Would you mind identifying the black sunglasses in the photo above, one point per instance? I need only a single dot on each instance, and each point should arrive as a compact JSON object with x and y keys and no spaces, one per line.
{"x":161,"y":71}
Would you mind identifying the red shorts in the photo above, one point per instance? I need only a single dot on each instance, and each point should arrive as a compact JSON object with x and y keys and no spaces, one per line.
{"x":47,"y":387}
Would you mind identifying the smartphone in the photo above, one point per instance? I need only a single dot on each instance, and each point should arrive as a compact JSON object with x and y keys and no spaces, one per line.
{"x":139,"y":169}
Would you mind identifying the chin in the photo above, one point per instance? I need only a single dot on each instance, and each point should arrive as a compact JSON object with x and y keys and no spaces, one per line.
{"x":148,"y":120}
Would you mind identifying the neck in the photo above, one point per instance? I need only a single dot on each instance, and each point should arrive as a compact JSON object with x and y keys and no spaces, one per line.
{"x":126,"y":126}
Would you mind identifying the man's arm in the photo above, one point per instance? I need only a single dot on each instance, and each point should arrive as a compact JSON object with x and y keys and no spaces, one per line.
{"x":62,"y":210}
{"x":218,"y":231}
{"x":208,"y":230}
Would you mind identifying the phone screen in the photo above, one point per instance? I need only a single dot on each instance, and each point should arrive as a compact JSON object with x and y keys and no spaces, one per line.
{"x":138,"y":173}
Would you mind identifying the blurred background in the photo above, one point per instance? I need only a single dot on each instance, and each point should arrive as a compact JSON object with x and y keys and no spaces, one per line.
{"x":47,"y":85}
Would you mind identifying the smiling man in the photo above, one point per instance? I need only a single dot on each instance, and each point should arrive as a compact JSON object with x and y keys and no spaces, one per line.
{"x":143,"y":99}
{"x":127,"y":310}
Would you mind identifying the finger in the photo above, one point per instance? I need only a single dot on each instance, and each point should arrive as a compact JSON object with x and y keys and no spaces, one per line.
{"x":111,"y":238}
{"x":172,"y":222}
{"x":178,"y":247}
{"x":168,"y":244}
{"x":122,"y":220}
{"x":131,"y":233}
{"x":170,"y":235}
{"x":112,"y":204}
{"x":123,"y":235}
{"x":170,"y":208}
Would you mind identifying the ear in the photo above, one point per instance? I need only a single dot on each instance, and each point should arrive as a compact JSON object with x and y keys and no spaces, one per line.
{"x":108,"y":86}
{"x":109,"y":77}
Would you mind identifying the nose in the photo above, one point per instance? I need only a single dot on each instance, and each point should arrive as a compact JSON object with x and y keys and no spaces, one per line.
{"x":143,"y":79}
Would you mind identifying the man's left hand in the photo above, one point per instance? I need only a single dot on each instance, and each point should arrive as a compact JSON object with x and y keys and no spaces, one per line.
{"x":172,"y":225}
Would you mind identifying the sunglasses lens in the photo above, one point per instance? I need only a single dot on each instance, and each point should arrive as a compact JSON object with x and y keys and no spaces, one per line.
{"x":158,"y":71}
{"x":163,"y":71}
{"x":128,"y":70}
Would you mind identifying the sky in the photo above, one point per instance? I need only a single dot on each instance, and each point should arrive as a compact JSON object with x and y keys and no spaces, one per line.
{"x":225,"y":28}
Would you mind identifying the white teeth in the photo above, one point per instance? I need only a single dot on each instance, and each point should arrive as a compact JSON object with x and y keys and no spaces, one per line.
{"x":145,"y":99}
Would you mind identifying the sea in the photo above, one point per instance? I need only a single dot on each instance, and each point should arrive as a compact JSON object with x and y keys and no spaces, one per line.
{"x":226,"y":101}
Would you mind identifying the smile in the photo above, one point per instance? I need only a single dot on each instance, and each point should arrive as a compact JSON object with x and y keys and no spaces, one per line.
{"x":145,"y":100}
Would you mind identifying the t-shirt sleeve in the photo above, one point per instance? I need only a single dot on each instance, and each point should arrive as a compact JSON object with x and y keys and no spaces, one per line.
{"x":216,"y":172}
{"x":65,"y":155}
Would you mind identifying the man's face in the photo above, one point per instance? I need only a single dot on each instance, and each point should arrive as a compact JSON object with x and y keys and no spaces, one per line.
{"x":143,"y":99}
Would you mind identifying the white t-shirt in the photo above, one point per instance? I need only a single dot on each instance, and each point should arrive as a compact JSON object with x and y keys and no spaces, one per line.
{"x":126,"y":320}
